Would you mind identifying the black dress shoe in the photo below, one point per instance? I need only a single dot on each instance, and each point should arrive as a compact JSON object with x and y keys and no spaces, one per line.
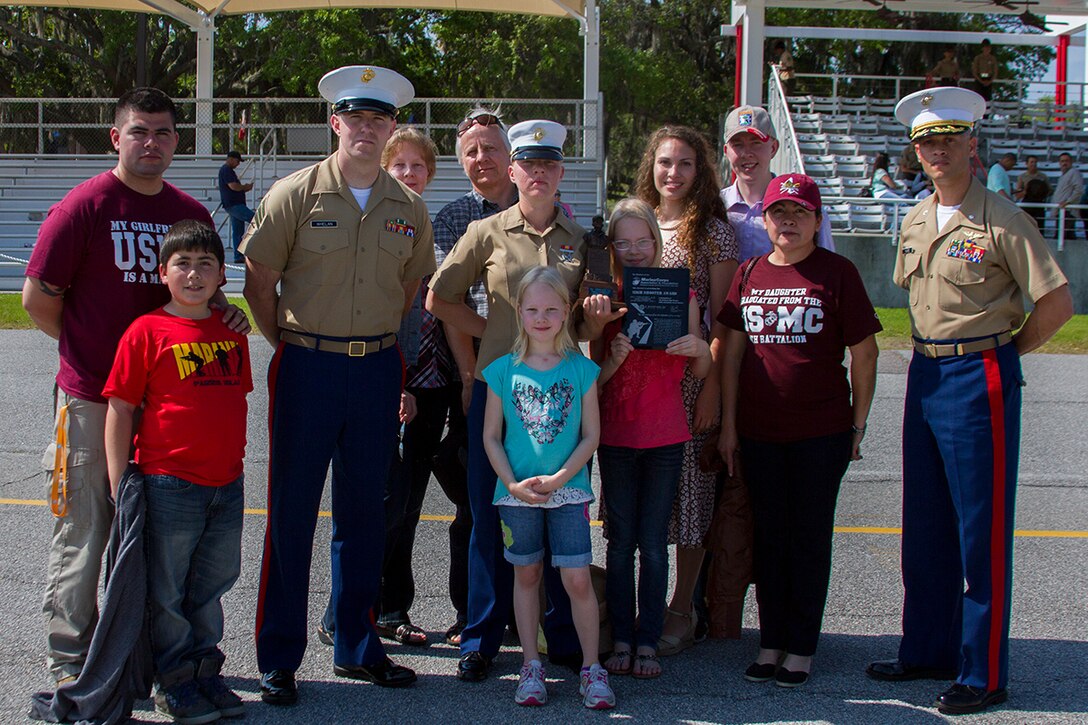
{"x":473,"y":667}
{"x":324,"y":635}
{"x":757,"y":672}
{"x":278,"y":687}
{"x":384,"y":673}
{"x":896,"y":671}
{"x":789,"y":678}
{"x":964,"y":699}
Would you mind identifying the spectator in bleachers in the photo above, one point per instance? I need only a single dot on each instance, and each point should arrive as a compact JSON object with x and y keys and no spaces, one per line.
{"x":915,"y":181}
{"x":882,"y":185}
{"x":1036,"y":190}
{"x":784,"y":61}
{"x":998,"y":180}
{"x":750,"y":143}
{"x":984,"y":69}
{"x":1070,"y":189}
{"x":1032,"y":173}
{"x":947,"y":70}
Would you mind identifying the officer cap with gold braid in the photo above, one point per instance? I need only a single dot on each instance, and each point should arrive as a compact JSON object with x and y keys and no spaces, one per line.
{"x":537,"y":139}
{"x":945,"y":110}
{"x":366,"y":88}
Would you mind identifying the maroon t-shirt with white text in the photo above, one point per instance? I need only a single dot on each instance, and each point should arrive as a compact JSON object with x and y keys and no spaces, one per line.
{"x":800,"y":319}
{"x":101,"y":243}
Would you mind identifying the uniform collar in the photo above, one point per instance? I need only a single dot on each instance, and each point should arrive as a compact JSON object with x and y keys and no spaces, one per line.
{"x":329,"y":180}
{"x":970,"y":214}
{"x":513,"y":219}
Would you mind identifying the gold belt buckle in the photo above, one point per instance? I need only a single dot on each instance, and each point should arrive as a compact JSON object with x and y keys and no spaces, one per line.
{"x":357,"y":348}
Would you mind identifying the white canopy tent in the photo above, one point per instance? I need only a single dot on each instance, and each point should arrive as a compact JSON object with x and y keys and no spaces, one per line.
{"x":748,"y":18}
{"x":200,"y":16}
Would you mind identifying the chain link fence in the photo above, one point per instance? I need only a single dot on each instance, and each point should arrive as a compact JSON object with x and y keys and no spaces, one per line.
{"x":293,"y":126}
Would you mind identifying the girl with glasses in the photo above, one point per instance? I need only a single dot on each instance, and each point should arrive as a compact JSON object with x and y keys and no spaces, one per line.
{"x":644,"y":427}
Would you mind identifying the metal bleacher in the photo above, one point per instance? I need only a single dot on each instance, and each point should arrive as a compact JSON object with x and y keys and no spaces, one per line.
{"x":839,"y":137}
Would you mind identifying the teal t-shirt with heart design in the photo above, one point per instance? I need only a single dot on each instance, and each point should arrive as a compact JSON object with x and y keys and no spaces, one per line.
{"x":542,"y":410}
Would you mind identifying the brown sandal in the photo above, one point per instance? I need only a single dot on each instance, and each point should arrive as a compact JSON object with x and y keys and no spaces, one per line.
{"x":403,"y":632}
{"x":642,"y":660}
{"x":626,"y":658}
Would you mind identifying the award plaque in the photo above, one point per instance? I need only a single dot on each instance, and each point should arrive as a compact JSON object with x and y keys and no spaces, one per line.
{"x":657,"y":305}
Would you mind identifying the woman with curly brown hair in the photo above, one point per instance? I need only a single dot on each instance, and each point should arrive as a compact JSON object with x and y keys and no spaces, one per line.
{"x":677,"y":177}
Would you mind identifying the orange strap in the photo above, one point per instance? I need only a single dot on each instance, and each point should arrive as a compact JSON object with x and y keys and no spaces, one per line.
{"x":58,"y":491}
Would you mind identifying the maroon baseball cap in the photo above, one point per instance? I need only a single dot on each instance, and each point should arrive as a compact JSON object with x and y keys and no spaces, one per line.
{"x":797,"y":188}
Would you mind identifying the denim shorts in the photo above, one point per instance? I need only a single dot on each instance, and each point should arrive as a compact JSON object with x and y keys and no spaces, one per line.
{"x":568,"y":533}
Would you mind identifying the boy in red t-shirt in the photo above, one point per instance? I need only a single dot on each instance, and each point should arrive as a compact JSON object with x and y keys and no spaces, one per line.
{"x":191,"y":374}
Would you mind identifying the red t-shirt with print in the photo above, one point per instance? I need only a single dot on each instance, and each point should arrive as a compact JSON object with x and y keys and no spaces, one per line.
{"x":800,"y":319}
{"x":193,"y":377}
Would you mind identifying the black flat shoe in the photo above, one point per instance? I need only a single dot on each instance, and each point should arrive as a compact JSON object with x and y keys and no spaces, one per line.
{"x":964,"y":699}
{"x":384,"y":673}
{"x":324,"y":635}
{"x":789,"y":678}
{"x":757,"y":672}
{"x":278,"y":687}
{"x":896,"y":671}
{"x":473,"y":667}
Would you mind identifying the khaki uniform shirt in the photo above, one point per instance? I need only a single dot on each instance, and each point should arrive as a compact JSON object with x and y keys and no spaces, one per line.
{"x":984,"y":67}
{"x":946,"y":68}
{"x":343,"y":267}
{"x":969,"y":279}
{"x":500,"y":250}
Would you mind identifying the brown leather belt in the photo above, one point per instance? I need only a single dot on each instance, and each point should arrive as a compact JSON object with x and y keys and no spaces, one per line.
{"x":351,"y":348}
{"x":952,"y":349}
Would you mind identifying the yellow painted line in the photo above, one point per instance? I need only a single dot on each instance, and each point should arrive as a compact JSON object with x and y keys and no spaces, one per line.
{"x":890,"y":530}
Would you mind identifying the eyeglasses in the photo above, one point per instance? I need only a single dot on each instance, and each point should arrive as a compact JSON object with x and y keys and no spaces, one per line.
{"x":480,"y":119}
{"x":622,"y":245}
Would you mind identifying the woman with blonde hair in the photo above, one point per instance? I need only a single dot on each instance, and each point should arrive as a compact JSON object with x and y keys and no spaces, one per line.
{"x":678,"y":178}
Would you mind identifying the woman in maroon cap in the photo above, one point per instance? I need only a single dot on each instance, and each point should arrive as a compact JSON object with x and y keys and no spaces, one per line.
{"x":792,"y":416}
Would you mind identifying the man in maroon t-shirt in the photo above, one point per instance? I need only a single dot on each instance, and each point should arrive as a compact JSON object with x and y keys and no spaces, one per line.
{"x":93,"y":271}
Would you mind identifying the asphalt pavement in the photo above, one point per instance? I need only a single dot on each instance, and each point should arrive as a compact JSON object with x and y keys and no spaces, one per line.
{"x":1049,"y":651}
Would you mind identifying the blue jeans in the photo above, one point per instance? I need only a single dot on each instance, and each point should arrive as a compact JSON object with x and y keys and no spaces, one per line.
{"x":194,"y":554}
{"x":240,"y":216}
{"x":567,"y":529}
{"x":639,"y":487}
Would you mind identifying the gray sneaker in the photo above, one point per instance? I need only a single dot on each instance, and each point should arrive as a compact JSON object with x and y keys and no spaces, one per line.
{"x":183,"y":703}
{"x":594,"y":688}
{"x":226,"y":701}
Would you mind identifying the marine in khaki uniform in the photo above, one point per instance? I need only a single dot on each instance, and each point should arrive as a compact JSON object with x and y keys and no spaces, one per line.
{"x":347,"y":244}
{"x":969,"y":259}
{"x":500,"y":250}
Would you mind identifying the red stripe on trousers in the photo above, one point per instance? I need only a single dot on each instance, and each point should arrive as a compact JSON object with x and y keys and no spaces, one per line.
{"x":273,"y":371}
{"x":998,"y":594}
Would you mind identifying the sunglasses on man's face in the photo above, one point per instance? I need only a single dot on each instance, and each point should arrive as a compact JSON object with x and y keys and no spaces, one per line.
{"x":482,"y":119}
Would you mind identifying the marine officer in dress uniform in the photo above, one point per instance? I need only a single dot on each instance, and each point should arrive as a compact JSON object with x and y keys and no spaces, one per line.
{"x":500,"y":250}
{"x":968,"y":258}
{"x":347,"y":244}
